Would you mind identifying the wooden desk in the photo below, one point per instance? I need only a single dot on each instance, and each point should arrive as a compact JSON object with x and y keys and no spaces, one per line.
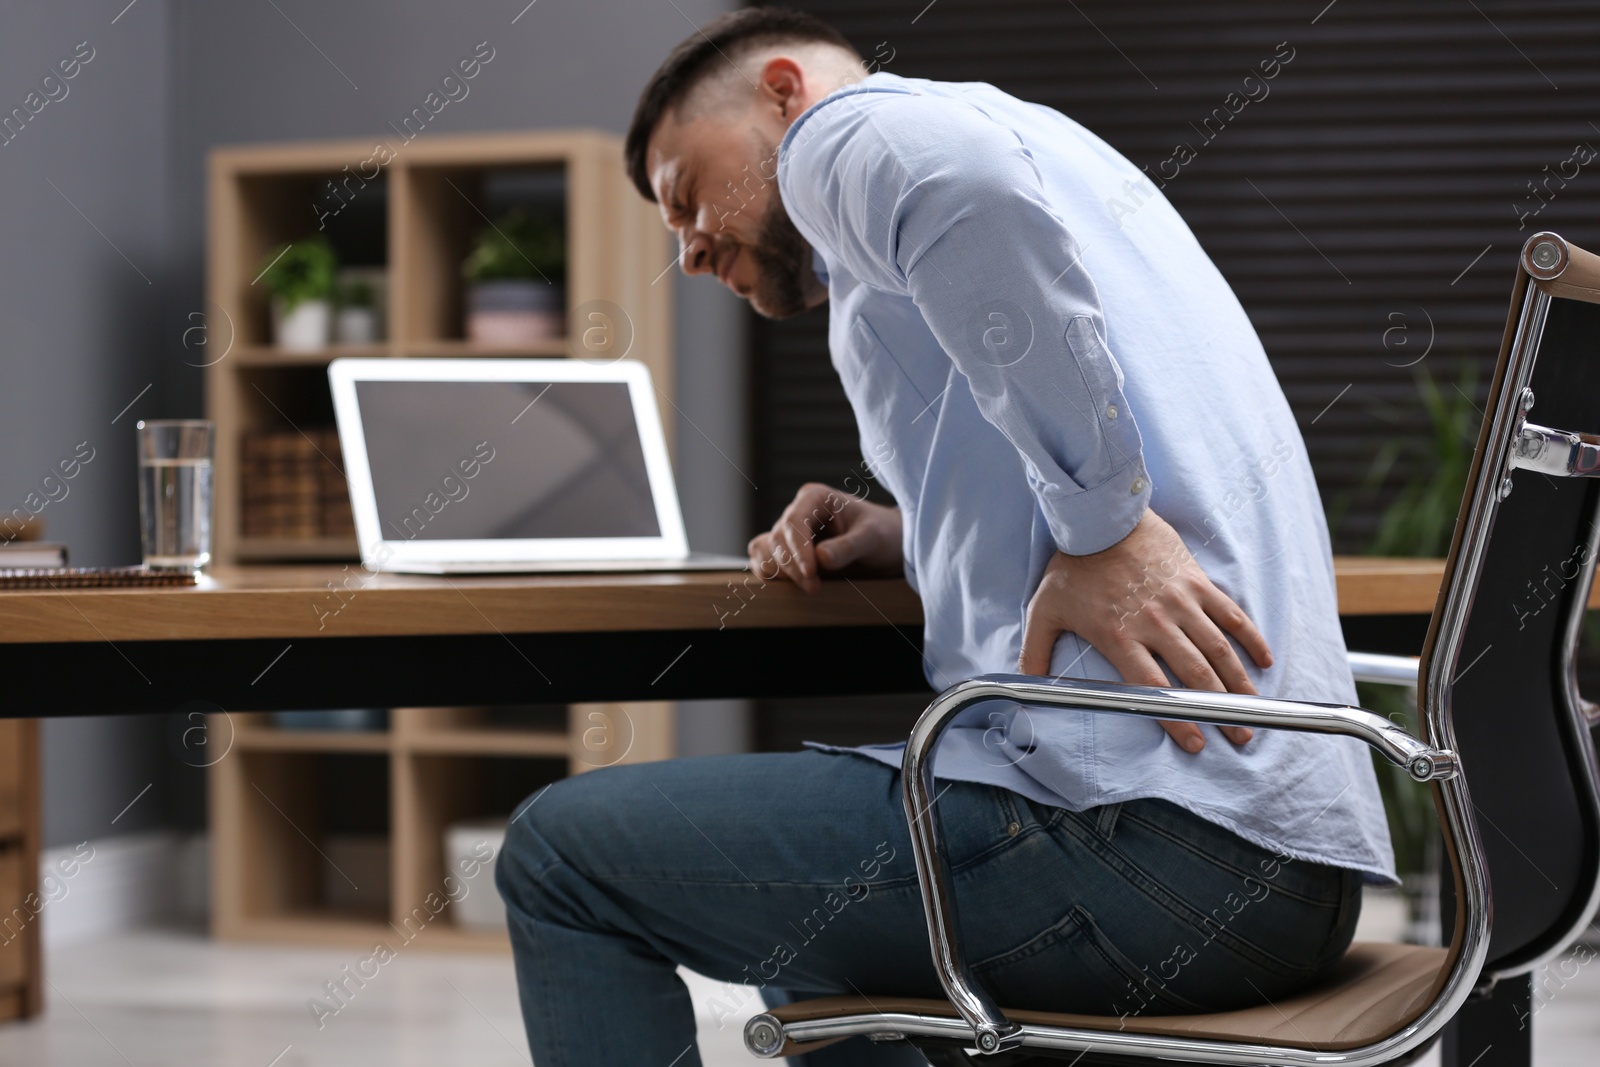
{"x":1375,"y":585}
{"x":271,"y":638}
{"x":329,"y":601}
{"x":262,"y":638}
{"x":265,"y":638}
{"x":316,"y":602}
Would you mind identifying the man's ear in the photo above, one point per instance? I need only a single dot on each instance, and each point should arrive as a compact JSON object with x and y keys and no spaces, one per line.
{"x":783,"y":86}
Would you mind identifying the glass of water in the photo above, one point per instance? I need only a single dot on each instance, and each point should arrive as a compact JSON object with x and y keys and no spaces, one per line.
{"x":175,"y":493}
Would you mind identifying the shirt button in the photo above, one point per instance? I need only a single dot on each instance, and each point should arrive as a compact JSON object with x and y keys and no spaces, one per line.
{"x":1111,"y":411}
{"x":1013,"y":829}
{"x":1137,"y":487}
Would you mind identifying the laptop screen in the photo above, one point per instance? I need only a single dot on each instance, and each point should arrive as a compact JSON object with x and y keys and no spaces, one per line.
{"x":485,"y":460}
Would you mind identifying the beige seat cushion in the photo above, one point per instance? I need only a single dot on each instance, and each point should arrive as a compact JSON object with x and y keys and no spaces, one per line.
{"x":1375,"y":990}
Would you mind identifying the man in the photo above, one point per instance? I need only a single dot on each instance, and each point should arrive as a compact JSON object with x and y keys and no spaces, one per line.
{"x":1096,"y":476}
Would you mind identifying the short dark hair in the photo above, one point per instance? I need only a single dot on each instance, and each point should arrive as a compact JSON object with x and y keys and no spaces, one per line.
{"x":720,"y":40}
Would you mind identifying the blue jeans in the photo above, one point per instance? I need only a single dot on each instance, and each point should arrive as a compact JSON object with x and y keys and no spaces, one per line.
{"x":793,"y":872}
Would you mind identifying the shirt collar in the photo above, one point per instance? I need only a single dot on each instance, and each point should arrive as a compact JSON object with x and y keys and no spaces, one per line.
{"x":880,"y":82}
{"x":819,"y":265}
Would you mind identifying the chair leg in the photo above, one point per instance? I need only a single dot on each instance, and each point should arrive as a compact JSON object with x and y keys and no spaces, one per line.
{"x":944,"y":1054}
{"x":1495,"y":1030}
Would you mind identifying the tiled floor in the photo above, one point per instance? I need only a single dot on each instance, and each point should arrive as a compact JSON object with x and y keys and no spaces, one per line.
{"x":174,"y":999}
{"x":169,"y":998}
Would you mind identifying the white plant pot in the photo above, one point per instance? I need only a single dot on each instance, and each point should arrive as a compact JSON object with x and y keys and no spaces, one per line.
{"x":509,"y":312}
{"x":305,"y":328}
{"x":356,"y":326}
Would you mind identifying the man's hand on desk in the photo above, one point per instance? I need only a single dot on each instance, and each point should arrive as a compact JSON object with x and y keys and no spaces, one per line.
{"x":825,"y":529}
{"x":1141,"y":598}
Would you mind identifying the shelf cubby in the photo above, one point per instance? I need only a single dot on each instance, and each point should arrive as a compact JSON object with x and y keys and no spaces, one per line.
{"x":285,"y":812}
{"x":432,"y":792}
{"x":444,"y":206}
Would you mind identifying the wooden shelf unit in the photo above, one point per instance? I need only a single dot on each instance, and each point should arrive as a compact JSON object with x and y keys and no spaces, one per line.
{"x":293,"y":549}
{"x":21,"y":967}
{"x":270,"y":812}
{"x":416,"y":218}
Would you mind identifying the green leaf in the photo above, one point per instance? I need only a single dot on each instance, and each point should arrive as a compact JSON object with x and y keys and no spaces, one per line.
{"x":305,"y":272}
{"x":1408,"y":805}
{"x":517,"y":246}
{"x":1422,"y":517}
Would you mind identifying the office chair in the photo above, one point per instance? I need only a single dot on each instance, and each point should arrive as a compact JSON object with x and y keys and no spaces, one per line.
{"x":1499,"y":705}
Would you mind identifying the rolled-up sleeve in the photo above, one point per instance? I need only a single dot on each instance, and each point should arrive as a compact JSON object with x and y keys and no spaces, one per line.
{"x":931,"y":199}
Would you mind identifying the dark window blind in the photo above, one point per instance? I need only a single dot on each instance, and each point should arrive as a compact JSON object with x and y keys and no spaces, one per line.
{"x":1367,"y":208}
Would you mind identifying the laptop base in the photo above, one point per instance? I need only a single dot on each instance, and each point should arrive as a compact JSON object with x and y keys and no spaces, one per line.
{"x":694,"y":561}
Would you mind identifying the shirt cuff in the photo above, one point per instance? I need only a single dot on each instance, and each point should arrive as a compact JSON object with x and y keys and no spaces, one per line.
{"x":1086,"y":521}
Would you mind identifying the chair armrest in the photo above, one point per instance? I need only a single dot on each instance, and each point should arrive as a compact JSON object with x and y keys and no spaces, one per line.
{"x":992,"y":1031}
{"x":1384,"y":669}
{"x":1423,"y":762}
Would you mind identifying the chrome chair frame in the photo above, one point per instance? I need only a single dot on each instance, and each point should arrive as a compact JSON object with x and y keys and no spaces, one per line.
{"x":1506,"y":444}
{"x":983,"y":1023}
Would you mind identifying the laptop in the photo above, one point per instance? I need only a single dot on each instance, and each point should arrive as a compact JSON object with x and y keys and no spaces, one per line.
{"x":482,"y":466}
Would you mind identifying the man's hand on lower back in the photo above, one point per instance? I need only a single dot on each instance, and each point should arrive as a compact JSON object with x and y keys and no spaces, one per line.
{"x":1142,"y":598}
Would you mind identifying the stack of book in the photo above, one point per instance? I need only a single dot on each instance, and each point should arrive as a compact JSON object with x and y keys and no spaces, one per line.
{"x":293,"y":484}
{"x":27,"y":554}
{"x":31,"y":564}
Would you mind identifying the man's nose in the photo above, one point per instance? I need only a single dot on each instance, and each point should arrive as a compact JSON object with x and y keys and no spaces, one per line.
{"x":694,"y":254}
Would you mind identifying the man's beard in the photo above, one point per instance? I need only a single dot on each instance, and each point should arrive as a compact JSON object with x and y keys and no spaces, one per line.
{"x":783,"y":265}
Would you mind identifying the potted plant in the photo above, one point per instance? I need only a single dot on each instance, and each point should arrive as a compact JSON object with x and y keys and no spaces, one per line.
{"x":516,"y":275}
{"x":1419,"y":523}
{"x":358,"y":322}
{"x":301,"y":283}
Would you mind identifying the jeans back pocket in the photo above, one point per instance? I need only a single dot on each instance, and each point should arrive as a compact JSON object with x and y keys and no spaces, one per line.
{"x":1074,"y":967}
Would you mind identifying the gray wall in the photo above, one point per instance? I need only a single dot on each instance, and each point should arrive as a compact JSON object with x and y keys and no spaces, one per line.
{"x":85,"y":296}
{"x":244,"y":73}
{"x":88,"y":319}
{"x":83,"y":284}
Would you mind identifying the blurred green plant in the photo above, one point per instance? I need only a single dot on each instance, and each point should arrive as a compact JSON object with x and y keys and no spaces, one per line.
{"x":1418,"y":523}
{"x":305,"y":272}
{"x":519,"y":246}
{"x":1412,"y":821}
{"x":1422,"y":516}
{"x":358,"y":293}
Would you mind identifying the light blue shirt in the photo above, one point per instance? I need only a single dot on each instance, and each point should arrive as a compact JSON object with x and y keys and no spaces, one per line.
{"x":1036,"y":348}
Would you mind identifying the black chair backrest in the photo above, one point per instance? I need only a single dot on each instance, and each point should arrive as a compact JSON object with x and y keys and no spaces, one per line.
{"x":1519,"y":726}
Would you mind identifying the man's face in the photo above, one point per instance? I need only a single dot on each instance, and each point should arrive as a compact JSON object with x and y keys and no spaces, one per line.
{"x":714,"y":176}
